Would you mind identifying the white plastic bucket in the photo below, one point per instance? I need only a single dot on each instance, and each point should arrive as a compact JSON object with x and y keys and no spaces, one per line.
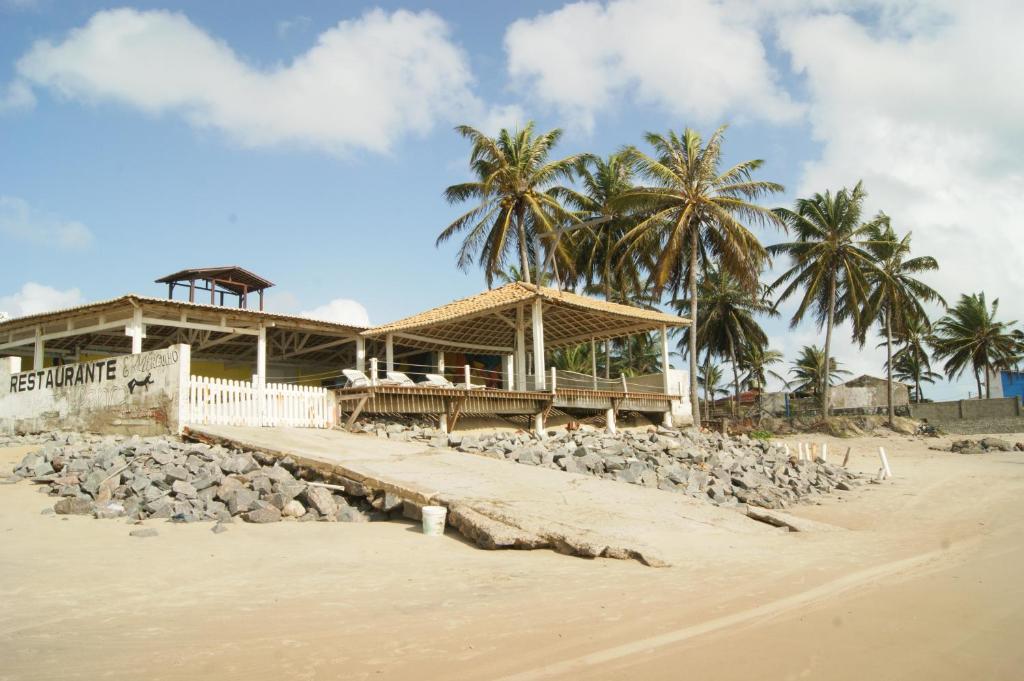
{"x":433,"y":520}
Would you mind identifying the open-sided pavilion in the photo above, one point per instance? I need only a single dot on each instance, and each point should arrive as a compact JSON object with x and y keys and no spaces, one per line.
{"x":228,"y":342}
{"x":520,"y":324}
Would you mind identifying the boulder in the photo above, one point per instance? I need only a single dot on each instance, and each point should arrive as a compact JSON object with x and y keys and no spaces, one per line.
{"x":997,"y":444}
{"x":241,"y":501}
{"x":321,"y":500}
{"x":293,"y":508}
{"x":73,"y":506}
{"x":265,"y":514}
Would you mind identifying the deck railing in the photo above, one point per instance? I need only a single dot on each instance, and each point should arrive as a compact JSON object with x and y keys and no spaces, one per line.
{"x":223,"y":402}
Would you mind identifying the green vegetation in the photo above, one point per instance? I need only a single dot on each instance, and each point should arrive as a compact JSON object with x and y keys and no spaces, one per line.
{"x":674,"y":227}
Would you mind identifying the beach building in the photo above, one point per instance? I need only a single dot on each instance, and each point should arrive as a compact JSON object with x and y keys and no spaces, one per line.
{"x":208,"y":358}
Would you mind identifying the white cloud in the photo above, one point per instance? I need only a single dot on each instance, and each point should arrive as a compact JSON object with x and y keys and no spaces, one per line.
{"x":923,"y":108}
{"x":22,"y":222}
{"x":36,"y":298}
{"x":363,"y":85}
{"x":340,"y":310}
{"x":695,"y":58}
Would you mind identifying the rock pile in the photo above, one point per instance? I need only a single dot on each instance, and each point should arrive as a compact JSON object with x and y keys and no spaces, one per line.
{"x":986,"y":444}
{"x":721,"y":469}
{"x":161,"y":477}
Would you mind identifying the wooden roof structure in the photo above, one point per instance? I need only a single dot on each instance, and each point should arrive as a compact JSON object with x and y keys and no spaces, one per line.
{"x":231,"y":279}
{"x":215,"y":332}
{"x":486,"y":322}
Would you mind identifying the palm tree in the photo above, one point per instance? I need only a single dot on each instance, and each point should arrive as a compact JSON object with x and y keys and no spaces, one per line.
{"x":692,"y":208}
{"x":757,"y":359}
{"x":829,"y":261}
{"x":910,"y":368}
{"x":710,"y":379}
{"x":639,"y":355}
{"x":895,"y":296}
{"x":728,"y":323}
{"x":516,"y":188}
{"x":913,"y":355}
{"x":604,"y":269}
{"x":809,"y":371}
{"x":575,"y":358}
{"x":969,"y":334}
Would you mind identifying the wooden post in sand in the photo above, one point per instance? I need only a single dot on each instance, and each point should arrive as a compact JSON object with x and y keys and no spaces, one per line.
{"x":885,"y":462}
{"x":824,"y":453}
{"x":846,"y":459}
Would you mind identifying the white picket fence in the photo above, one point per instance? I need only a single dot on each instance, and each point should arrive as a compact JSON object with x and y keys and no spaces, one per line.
{"x":221,"y":402}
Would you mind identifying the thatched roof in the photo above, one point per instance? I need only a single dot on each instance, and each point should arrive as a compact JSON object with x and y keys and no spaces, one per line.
{"x":486,"y":321}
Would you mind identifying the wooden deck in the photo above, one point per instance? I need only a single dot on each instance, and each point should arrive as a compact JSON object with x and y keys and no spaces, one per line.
{"x":454,"y":402}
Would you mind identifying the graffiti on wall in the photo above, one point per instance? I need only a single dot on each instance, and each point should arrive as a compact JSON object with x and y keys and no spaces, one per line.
{"x":130,"y":387}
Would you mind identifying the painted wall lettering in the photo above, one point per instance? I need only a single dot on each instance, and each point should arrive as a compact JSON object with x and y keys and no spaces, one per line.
{"x":65,"y":376}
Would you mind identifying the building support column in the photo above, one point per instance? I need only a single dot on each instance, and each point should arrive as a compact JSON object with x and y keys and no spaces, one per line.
{"x":360,"y":353}
{"x":261,"y":356}
{"x":537,"y":319}
{"x":593,"y":362}
{"x":520,"y":349}
{"x":609,"y":419}
{"x":508,"y":370}
{"x":440,"y":362}
{"x":389,"y":353}
{"x":136,"y":330}
{"x":38,"y":350}
{"x":665,"y":383}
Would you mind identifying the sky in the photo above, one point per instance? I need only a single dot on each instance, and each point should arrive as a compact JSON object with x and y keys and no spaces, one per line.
{"x":310,"y":142}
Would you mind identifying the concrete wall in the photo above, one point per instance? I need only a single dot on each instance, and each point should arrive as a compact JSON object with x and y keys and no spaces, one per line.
{"x":868,"y":397}
{"x":125,"y":394}
{"x":678,"y":384}
{"x":996,"y":408}
{"x":998,"y":415}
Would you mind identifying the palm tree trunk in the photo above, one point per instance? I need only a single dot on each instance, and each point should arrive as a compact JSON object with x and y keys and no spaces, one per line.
{"x":977,"y":378}
{"x":825,"y":391}
{"x":735,"y":380}
{"x":607,"y":343}
{"x":988,"y":381}
{"x":888,"y":364}
{"x":707,"y":371}
{"x":695,"y":404}
{"x":524,"y":256}
{"x":917,"y":384}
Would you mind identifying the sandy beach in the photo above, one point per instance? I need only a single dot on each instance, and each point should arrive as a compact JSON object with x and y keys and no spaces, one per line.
{"x":918,"y":581}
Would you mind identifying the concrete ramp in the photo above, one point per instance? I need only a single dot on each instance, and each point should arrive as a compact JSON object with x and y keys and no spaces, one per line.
{"x":501,"y":504}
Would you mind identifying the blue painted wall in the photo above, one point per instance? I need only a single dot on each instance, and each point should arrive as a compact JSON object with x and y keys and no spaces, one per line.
{"x":1013,"y":383}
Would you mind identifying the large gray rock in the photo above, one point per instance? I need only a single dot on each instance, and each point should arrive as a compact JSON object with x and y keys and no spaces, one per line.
{"x":321,"y":500}
{"x":241,"y":501}
{"x":183,"y":489}
{"x":73,"y":506}
{"x":265,"y":514}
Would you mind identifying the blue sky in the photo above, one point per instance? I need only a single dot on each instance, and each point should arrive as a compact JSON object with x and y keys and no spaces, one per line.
{"x":311,"y":141}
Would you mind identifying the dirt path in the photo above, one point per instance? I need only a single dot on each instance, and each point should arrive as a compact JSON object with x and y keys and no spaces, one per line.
{"x":924,"y":584}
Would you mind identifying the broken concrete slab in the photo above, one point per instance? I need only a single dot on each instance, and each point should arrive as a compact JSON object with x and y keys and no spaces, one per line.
{"x":791,"y":522}
{"x":500,"y":504}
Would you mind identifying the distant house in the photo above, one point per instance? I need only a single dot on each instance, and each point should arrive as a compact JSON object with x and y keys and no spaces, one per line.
{"x":868,"y":393}
{"x":1006,"y":384}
